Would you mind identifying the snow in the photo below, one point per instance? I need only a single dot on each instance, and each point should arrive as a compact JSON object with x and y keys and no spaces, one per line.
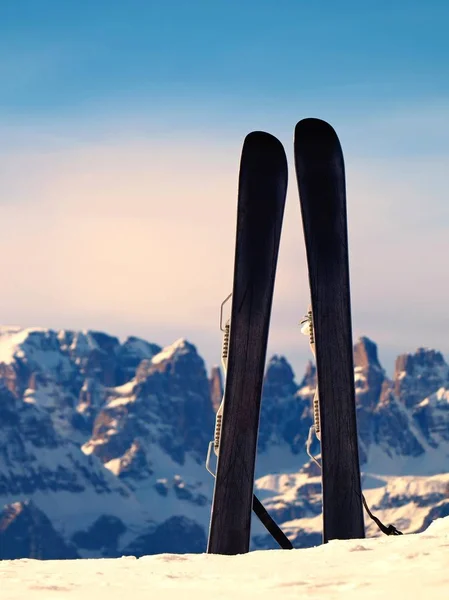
{"x":359,"y":377}
{"x":192,"y":474}
{"x":283,"y":486}
{"x":36,"y":346}
{"x":122,"y":395}
{"x":169,"y":351}
{"x":403,"y":501}
{"x":306,"y":391}
{"x":139,"y":347}
{"x":11,"y":339}
{"x":408,"y":567}
{"x":407,"y":516}
{"x":83,"y":343}
{"x":439,"y":399}
{"x":432,"y":462}
{"x":279,"y":458}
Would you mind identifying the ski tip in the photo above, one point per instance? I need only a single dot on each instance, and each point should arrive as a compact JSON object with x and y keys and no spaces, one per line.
{"x":262,"y":138}
{"x":315,"y":129}
{"x":265,"y":149}
{"x":316,"y":140}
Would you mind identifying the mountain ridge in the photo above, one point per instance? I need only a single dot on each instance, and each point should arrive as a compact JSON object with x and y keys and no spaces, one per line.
{"x":87,"y":418}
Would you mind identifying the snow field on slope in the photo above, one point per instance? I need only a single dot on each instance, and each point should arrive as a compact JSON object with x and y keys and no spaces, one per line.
{"x":409,"y":567}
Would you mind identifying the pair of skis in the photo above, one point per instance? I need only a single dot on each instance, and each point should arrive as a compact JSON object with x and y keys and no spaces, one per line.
{"x":261,"y":200}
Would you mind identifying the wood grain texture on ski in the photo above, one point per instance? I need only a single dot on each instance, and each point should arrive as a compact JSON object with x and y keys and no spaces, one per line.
{"x":261,"y":199}
{"x":321,"y":181}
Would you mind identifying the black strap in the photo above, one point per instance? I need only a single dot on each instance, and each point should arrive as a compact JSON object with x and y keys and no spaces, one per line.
{"x":270,"y":525}
{"x":283,"y":541}
{"x":390,"y":530}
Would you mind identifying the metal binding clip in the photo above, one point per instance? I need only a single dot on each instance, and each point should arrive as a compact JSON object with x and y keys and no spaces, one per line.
{"x":214,"y":445}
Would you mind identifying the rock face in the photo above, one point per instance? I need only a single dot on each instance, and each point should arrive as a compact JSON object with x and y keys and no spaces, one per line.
{"x":398,"y":433}
{"x":176,"y":535}
{"x":285,"y":414}
{"x":395,"y":424}
{"x":432,"y":417}
{"x":419,"y":375}
{"x":167,"y":405}
{"x":216,"y":387}
{"x":107,"y":440}
{"x":26,"y":532}
{"x":103,"y":443}
{"x":369,"y":375}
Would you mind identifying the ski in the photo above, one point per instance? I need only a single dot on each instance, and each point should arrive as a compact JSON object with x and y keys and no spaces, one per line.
{"x":261,"y":200}
{"x":214,"y":446}
{"x":321,"y":182}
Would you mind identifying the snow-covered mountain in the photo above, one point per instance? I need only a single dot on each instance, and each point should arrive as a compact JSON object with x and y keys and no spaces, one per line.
{"x":102,"y":444}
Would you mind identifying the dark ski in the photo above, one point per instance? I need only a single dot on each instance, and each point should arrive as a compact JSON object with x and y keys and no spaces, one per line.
{"x":261,"y":199}
{"x":321,"y":181}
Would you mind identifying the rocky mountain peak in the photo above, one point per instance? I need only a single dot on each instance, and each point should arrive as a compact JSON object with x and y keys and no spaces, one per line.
{"x":432,"y":416}
{"x":179,"y":361}
{"x":173,"y":352}
{"x":130,"y":354}
{"x":282,"y":422}
{"x":369,"y":374}
{"x":309,"y":379}
{"x":420,"y":362}
{"x":365,"y":354}
{"x":279,"y":377}
{"x":419,"y":375}
{"x":108,"y":439}
{"x":168,"y":405}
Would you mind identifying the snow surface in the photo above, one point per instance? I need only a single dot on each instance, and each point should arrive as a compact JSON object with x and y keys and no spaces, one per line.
{"x":407,"y":567}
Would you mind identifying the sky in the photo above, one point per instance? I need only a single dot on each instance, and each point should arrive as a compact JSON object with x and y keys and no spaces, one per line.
{"x":121,"y":126}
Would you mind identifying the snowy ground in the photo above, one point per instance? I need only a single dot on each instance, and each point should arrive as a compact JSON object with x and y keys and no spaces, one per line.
{"x":406,"y":567}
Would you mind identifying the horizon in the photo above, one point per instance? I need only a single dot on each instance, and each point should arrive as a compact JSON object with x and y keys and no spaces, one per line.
{"x":9,"y":330}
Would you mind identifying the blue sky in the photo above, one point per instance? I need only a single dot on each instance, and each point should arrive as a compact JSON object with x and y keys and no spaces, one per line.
{"x":242,"y":55}
{"x":121,"y":125}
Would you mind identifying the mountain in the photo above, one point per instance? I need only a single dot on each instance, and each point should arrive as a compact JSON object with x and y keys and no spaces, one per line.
{"x":27,"y":531}
{"x":404,"y":422}
{"x":106,"y":439}
{"x":103,"y":443}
